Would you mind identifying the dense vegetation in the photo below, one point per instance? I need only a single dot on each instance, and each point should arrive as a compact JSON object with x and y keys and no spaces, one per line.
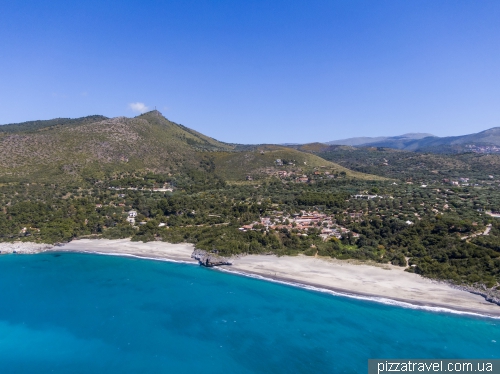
{"x":417,"y":219}
{"x":412,"y":166}
{"x":205,"y":210}
{"x":43,"y":125}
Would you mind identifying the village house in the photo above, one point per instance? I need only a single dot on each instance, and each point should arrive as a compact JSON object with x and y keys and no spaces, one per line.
{"x":369,"y":197}
{"x":245,"y":228}
{"x":356,"y":215}
{"x":131,"y":217}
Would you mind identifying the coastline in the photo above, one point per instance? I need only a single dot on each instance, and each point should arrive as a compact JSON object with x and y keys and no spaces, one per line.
{"x":383,"y":283}
{"x":359,"y":295}
{"x":124,"y":247}
{"x":24,"y":248}
{"x":374,"y":282}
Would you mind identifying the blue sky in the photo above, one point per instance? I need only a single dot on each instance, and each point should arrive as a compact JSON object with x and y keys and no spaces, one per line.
{"x":257,"y":71}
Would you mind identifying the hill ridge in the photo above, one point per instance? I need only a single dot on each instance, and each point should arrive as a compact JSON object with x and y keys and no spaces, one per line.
{"x":97,"y":147}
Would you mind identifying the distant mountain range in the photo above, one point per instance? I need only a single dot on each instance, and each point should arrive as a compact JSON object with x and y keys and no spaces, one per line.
{"x":368,"y":140}
{"x":487,"y":141}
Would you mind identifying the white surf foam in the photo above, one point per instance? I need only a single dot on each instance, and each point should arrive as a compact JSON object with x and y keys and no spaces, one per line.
{"x":141,"y":257}
{"x":382,"y":300}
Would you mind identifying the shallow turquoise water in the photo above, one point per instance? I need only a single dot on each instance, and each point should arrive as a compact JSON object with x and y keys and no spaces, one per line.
{"x":82,"y":313}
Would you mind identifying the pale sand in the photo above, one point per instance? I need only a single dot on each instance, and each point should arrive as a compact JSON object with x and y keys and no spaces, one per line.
{"x":160,"y":250}
{"x":24,"y":247}
{"x":390,"y":282}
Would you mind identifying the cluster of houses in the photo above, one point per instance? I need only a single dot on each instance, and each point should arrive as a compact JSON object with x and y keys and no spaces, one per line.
{"x":165,"y":188}
{"x":297,"y":177}
{"x":483,"y":148}
{"x":460,"y":182}
{"x":366,"y":196}
{"x":302,"y":178}
{"x":302,"y":222}
{"x":111,"y":204}
{"x":466,"y":182}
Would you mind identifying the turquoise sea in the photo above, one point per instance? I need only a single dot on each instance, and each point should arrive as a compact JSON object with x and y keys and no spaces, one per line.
{"x":83,"y":313}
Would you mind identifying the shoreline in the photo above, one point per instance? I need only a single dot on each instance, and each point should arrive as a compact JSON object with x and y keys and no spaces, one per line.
{"x":385,"y":284}
{"x":358,"y":295}
{"x":381,"y":283}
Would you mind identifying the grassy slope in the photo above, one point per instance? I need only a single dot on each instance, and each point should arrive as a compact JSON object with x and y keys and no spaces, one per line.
{"x":237,"y":165}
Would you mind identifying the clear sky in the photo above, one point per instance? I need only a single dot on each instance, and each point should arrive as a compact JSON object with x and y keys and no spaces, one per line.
{"x":257,"y":71}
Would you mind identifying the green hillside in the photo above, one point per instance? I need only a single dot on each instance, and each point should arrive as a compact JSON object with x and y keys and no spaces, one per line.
{"x":100,"y":148}
{"x":262,"y":162}
{"x":40,"y":125}
{"x":97,"y":147}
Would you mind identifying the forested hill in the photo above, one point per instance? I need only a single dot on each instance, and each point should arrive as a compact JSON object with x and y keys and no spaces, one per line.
{"x":31,"y":126}
{"x":97,"y":148}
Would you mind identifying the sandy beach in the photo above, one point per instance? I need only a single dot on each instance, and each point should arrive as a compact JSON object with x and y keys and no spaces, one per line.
{"x":348,"y":277}
{"x":24,"y":248}
{"x":160,"y":250}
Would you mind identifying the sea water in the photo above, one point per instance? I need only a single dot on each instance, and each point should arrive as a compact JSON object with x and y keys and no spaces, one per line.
{"x":83,"y":313}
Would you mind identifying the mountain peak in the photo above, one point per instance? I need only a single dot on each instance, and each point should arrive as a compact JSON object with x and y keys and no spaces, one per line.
{"x":153,"y":112}
{"x":153,"y":115}
{"x":416,"y":135}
